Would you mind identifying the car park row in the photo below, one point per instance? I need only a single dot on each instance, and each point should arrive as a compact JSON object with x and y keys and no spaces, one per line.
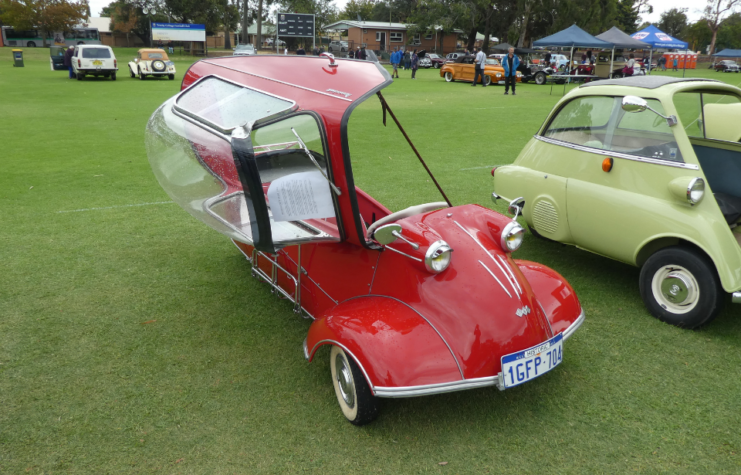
{"x":99,"y":60}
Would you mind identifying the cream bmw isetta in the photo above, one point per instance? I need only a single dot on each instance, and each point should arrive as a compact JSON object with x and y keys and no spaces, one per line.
{"x":645,"y":170}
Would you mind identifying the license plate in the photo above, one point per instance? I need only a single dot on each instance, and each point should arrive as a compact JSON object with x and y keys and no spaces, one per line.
{"x":525,"y":365}
{"x":97,"y":63}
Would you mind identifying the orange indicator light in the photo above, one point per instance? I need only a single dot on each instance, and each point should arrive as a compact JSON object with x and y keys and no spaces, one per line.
{"x":607,"y":164}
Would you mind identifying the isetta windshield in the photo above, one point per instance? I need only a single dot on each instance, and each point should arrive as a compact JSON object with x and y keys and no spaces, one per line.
{"x":420,"y":301}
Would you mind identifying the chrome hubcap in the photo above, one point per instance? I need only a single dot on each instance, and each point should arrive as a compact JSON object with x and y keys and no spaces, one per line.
{"x":675,"y":289}
{"x":344,"y":381}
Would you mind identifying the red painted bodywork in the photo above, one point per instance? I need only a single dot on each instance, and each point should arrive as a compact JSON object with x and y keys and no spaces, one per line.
{"x":404,"y":325}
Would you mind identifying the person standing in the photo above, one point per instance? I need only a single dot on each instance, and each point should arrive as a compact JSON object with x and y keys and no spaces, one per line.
{"x":510,"y":64}
{"x":479,"y":65}
{"x":547,"y":60}
{"x":674,"y":64}
{"x":351,"y":53}
{"x":68,"y":61}
{"x":362,"y":55}
{"x":301,"y":51}
{"x":407,"y":60}
{"x":415,"y":63}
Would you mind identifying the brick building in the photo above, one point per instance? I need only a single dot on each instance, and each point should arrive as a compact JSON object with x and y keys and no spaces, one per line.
{"x":386,"y":36}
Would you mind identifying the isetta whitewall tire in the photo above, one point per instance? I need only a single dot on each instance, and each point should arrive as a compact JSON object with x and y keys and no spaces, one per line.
{"x":354,"y":395}
{"x":680,"y":286}
{"x":449,"y":76}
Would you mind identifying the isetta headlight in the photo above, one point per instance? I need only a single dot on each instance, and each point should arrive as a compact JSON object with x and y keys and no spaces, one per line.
{"x":512,"y":236}
{"x":437,"y":257}
{"x":696,"y":190}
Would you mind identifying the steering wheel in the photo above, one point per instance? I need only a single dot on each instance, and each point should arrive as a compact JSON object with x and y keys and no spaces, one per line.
{"x":405,"y":213}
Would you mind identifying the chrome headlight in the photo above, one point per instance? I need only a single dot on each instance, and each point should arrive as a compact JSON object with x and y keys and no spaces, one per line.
{"x":512,"y":236}
{"x":499,"y":75}
{"x":695,"y":191}
{"x":437,"y":257}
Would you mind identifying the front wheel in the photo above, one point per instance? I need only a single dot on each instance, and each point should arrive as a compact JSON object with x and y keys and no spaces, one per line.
{"x":31,"y":44}
{"x":353,"y":393}
{"x":141,"y":76}
{"x":487,"y":80}
{"x":449,"y":77}
{"x":437,"y":65}
{"x":680,"y":286}
{"x":113,"y":76}
{"x":540,"y":78}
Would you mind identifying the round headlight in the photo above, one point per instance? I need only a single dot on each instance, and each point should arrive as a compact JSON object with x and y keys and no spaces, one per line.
{"x":512,"y":236}
{"x":437,"y":257}
{"x":695,"y":191}
{"x":499,"y":75}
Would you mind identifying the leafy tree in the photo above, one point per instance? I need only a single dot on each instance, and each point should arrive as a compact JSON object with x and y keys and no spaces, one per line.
{"x":673,"y":22}
{"x":123,"y":19}
{"x":629,"y":14}
{"x":46,"y":15}
{"x":715,"y":11}
{"x":355,"y":9}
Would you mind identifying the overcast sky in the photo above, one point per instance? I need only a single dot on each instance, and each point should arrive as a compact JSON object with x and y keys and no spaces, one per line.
{"x":693,"y":7}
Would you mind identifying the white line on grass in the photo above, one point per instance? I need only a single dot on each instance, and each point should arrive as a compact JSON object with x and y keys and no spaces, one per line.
{"x":119,"y":206}
{"x":478,"y":168}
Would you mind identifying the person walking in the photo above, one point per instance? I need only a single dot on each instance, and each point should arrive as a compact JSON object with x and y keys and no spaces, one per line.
{"x":68,"y":61}
{"x":674,"y":64}
{"x":510,"y":64}
{"x":415,"y":63}
{"x":662,"y":62}
{"x":479,"y":65}
{"x":395,"y":63}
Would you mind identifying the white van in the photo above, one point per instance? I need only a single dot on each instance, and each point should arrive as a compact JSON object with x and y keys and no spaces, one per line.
{"x":94,"y":60}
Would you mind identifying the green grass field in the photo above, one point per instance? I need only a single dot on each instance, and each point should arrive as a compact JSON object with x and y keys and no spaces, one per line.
{"x":133,"y":339}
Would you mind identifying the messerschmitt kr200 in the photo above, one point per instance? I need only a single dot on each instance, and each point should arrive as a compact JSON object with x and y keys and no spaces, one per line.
{"x":421,"y":301}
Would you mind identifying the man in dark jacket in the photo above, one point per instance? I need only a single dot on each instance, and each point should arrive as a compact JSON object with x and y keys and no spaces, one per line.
{"x":362,"y":55}
{"x":68,"y":61}
{"x":510,"y":63}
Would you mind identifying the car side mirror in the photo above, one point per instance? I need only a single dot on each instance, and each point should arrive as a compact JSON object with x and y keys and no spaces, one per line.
{"x":637,"y":104}
{"x":634,"y":104}
{"x":390,"y":233}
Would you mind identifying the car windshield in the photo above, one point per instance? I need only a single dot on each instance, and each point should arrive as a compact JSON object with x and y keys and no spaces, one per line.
{"x":156,"y":56}
{"x":492,"y":62}
{"x":96,"y":53}
{"x":248,"y":47}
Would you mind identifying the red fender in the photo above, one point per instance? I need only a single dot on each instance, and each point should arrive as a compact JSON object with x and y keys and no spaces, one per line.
{"x":554,"y":293}
{"x":392,"y":343}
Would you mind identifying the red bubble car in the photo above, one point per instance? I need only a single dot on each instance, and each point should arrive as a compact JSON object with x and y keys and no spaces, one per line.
{"x":421,"y":301}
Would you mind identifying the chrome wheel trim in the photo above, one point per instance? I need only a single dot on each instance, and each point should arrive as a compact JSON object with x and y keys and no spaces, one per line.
{"x":675,"y":289}
{"x":449,"y":76}
{"x":344,"y":381}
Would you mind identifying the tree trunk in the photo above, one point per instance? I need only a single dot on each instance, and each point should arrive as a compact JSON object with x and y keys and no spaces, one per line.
{"x":523,"y":28}
{"x":246,"y":23}
{"x":487,"y":33}
{"x":258,"y":38}
{"x":127,"y":40}
{"x":227,"y":39}
{"x":712,"y":43}
{"x":43,"y":40}
{"x":471,"y":39}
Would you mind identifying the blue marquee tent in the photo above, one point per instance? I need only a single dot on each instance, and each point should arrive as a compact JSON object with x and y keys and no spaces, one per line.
{"x":571,"y":37}
{"x":729,"y":53}
{"x":658,"y":39}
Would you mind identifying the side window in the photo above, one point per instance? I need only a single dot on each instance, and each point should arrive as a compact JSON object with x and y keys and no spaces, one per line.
{"x":712,"y":116}
{"x":583,"y":121}
{"x":646,"y":134}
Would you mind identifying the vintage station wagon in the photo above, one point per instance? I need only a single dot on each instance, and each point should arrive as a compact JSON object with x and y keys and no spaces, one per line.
{"x":645,"y":170}
{"x":420,"y":301}
{"x":462,"y":68}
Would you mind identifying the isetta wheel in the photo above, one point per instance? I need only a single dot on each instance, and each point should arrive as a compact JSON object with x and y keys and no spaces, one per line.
{"x":681,"y":287}
{"x":353,"y":393}
{"x":449,"y":76}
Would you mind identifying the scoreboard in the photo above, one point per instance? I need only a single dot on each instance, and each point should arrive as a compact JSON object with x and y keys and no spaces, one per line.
{"x":295,"y":25}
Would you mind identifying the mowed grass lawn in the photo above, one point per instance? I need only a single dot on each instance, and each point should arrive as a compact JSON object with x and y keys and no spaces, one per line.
{"x":133,"y":339}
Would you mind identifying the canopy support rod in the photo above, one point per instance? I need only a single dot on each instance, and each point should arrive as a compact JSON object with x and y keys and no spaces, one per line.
{"x":387,"y":108}
{"x":612,"y":60}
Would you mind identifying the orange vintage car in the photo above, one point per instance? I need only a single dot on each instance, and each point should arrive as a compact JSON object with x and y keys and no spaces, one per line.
{"x":462,"y":69}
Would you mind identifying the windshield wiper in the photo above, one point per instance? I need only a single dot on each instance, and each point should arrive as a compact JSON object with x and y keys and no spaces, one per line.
{"x":313,"y":160}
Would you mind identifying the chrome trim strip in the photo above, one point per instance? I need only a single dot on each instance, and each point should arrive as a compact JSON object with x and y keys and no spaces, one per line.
{"x":495,"y":278}
{"x":278,"y":81}
{"x":492,"y":258}
{"x":574,"y":326}
{"x":509,"y":269}
{"x":402,"y":253}
{"x":344,"y":348}
{"x":736,"y":297}
{"x":427,"y":389}
{"x":626,"y":156}
{"x":422,"y":317}
{"x":375,"y":269}
{"x":546,"y":318}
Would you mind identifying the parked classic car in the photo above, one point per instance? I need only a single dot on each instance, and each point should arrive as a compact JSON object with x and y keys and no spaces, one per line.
{"x":151,"y":62}
{"x":244,"y":50}
{"x":463,"y":69}
{"x":420,"y":301}
{"x":437,"y":60}
{"x":455,"y":55}
{"x":94,"y":60}
{"x":645,"y":170}
{"x":336,"y":47}
{"x":727,"y":66}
